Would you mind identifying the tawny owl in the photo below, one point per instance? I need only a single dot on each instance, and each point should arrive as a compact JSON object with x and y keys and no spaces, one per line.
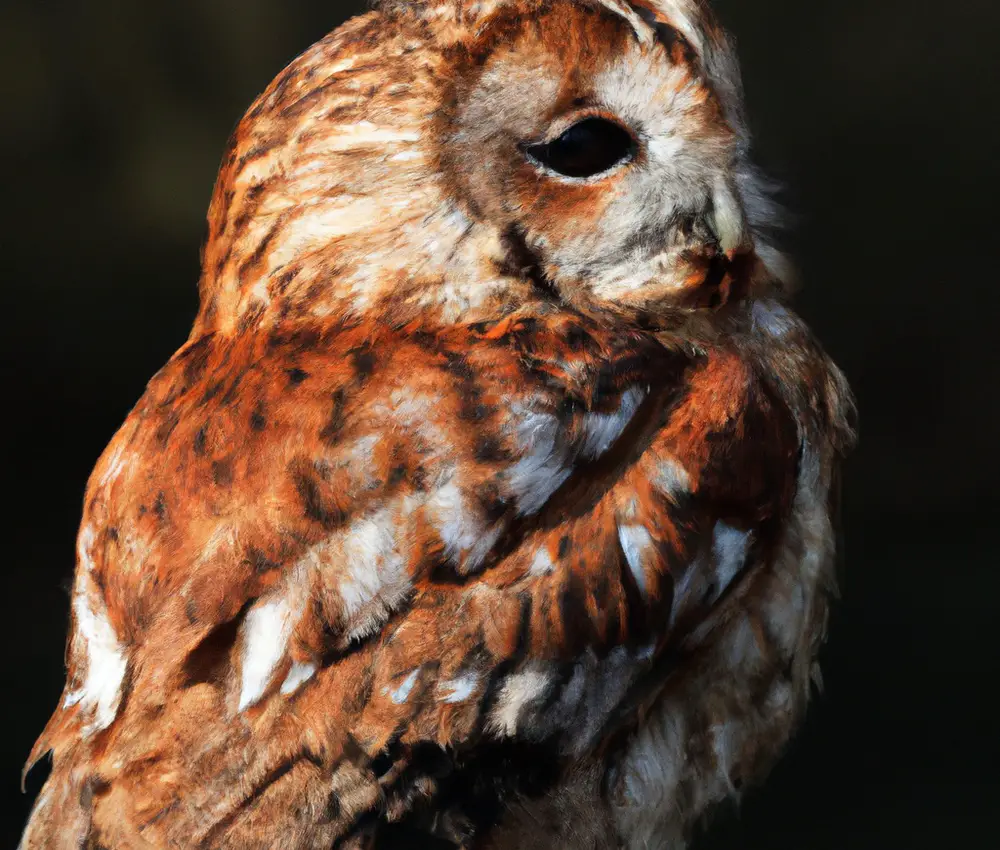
{"x":489,"y":502}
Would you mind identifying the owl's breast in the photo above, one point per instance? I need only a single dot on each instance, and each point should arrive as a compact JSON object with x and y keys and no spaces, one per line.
{"x":353,"y":544}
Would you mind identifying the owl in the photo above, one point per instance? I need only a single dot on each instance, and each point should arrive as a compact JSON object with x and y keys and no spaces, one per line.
{"x":490,"y":502}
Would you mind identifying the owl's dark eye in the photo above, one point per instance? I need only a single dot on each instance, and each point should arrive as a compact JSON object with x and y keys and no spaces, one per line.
{"x":589,"y":147}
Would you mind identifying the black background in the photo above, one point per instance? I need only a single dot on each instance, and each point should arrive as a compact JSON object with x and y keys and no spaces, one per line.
{"x":881,"y":115}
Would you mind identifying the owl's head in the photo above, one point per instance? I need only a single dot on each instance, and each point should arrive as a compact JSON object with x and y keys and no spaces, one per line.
{"x":452,"y":159}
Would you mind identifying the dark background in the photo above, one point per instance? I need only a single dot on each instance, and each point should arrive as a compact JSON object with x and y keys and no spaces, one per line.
{"x":882,"y":117}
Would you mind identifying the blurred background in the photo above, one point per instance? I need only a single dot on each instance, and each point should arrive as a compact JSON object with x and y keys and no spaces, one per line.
{"x":882,"y":118}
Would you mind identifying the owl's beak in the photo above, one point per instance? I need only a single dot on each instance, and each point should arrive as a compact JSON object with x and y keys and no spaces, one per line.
{"x":720,"y":274}
{"x":727,"y":219}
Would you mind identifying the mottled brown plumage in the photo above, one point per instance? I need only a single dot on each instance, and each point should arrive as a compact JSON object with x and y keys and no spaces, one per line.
{"x":480,"y":494}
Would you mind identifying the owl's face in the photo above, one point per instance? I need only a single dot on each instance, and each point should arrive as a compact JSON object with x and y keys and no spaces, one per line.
{"x":451,"y":160}
{"x":598,"y":142}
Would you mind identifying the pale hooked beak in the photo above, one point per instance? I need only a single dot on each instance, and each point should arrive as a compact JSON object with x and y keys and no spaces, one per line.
{"x":727,"y":219}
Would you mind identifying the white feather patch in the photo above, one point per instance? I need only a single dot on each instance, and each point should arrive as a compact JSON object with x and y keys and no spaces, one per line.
{"x":601,"y":430}
{"x":729,"y":552}
{"x":372,"y":568}
{"x":542,"y":564}
{"x":519,"y":691}
{"x":106,"y":662}
{"x":458,"y":689}
{"x":672,"y":479}
{"x":545,"y":464}
{"x":467,"y":539}
{"x":266,"y":630}
{"x":401,"y":693}
{"x":299,"y":673}
{"x":635,"y":541}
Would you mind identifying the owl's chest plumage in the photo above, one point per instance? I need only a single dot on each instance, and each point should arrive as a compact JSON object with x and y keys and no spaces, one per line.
{"x":321,"y":553}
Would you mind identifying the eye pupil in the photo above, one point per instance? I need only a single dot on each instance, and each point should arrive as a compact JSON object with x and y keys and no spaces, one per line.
{"x":589,"y":147}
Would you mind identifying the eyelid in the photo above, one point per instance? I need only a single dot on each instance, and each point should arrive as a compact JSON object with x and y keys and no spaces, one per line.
{"x":564,"y":122}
